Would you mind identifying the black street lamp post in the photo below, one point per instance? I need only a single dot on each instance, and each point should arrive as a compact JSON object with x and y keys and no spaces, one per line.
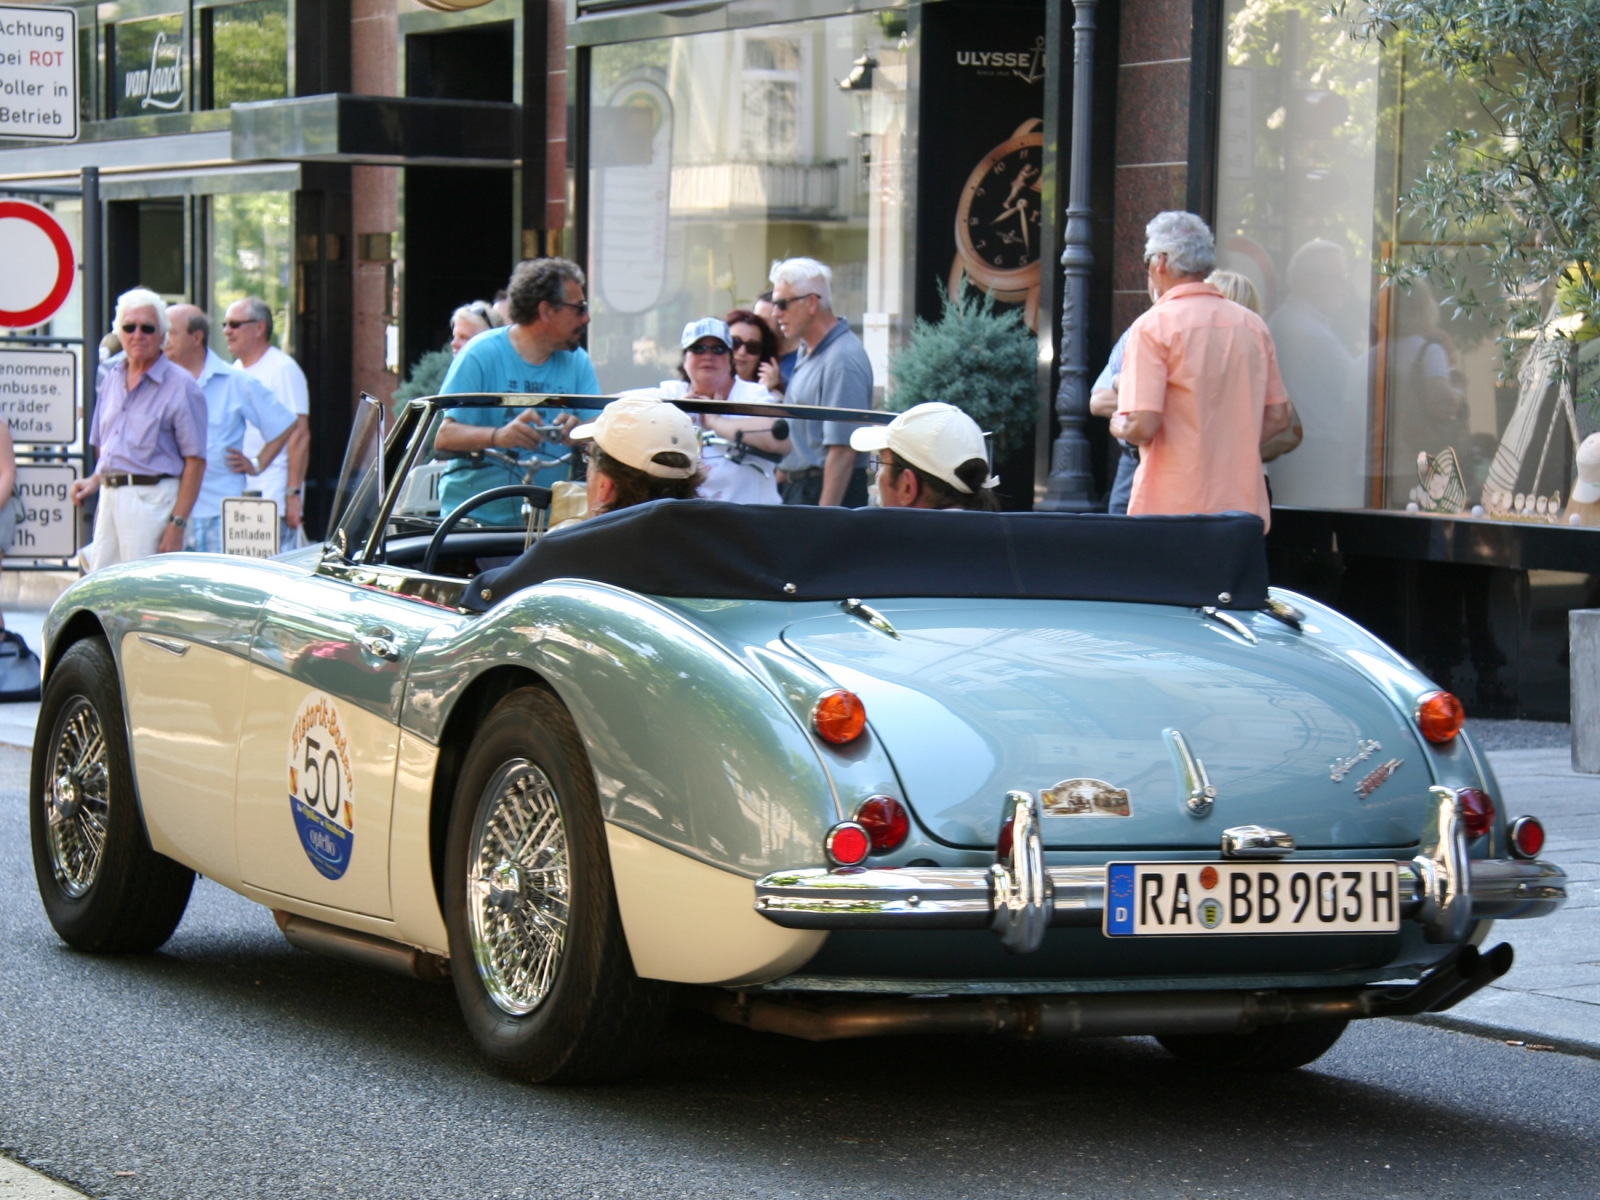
{"x":1071,"y":485}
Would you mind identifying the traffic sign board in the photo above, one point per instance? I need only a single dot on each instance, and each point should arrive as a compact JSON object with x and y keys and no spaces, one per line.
{"x":39,"y":394}
{"x":249,"y":526}
{"x":48,"y":524}
{"x":38,"y":73}
{"x":40,"y":264}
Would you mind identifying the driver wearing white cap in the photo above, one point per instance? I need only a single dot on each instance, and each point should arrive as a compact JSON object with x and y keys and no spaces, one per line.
{"x":641,"y":450}
{"x":930,"y":456}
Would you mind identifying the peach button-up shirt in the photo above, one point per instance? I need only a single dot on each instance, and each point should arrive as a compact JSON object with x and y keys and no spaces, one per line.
{"x":1208,"y":366}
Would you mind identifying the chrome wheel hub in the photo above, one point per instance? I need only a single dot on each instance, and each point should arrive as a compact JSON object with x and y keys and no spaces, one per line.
{"x":518,"y":887}
{"x":78,"y":802}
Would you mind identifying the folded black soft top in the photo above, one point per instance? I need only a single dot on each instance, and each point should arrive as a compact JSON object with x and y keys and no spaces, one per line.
{"x":716,"y":550}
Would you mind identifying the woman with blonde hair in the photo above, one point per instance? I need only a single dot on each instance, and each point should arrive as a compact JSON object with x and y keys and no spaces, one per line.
{"x":1240,"y":290}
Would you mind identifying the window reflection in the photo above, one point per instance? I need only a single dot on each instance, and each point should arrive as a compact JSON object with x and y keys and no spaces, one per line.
{"x":249,"y":52}
{"x":250,"y":256}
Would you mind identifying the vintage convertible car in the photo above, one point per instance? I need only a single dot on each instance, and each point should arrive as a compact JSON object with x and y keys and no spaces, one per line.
{"x":823,"y":772}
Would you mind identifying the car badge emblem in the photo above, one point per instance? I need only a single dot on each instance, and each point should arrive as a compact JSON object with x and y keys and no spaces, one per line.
{"x":1340,"y":767}
{"x":1086,"y":798}
{"x":1377,"y":778}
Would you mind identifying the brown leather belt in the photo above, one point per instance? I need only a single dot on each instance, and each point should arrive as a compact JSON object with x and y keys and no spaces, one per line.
{"x":116,"y":480}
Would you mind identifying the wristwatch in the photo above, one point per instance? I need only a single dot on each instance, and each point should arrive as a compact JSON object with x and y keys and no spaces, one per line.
{"x":180,"y":522}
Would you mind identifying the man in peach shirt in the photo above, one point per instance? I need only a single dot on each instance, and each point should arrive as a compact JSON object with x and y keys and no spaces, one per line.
{"x":1200,"y":390}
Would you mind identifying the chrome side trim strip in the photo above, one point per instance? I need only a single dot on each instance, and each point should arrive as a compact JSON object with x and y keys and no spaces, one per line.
{"x":962,"y":897}
{"x":170,"y":645}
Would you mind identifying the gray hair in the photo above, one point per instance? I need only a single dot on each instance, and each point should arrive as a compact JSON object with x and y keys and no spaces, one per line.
{"x":201,"y":324}
{"x":1186,"y":241}
{"x":805,"y":275}
{"x":143,"y":298}
{"x":480,"y":311}
{"x":257,"y":310}
{"x":539,"y":281}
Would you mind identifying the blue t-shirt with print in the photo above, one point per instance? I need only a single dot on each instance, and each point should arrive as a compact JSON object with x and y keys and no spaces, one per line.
{"x":490,"y":363}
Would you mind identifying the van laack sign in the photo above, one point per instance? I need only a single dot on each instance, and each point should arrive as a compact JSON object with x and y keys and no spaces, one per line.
{"x":38,"y":73}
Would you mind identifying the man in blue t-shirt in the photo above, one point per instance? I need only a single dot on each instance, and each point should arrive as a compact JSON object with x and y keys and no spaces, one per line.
{"x":538,"y":352}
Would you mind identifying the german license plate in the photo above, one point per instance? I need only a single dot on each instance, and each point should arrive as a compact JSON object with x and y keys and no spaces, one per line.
{"x":1170,"y":899}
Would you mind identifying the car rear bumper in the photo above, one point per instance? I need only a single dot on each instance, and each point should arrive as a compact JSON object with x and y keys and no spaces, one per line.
{"x":964,"y":898}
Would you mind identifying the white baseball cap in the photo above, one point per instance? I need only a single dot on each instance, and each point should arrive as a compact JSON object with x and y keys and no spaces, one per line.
{"x":634,"y":430}
{"x":936,"y":438}
{"x":1587,"y":489}
{"x":706,"y":327}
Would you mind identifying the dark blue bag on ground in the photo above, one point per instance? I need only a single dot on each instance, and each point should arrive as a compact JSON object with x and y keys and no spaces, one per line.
{"x":19,"y":669}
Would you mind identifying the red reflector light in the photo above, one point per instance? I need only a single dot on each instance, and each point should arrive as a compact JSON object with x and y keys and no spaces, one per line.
{"x":839,"y":716}
{"x":1527,"y":837}
{"x":886,"y":821}
{"x":1440,"y":716}
{"x":1002,"y":845}
{"x":1477,"y":811}
{"x":848,"y":844}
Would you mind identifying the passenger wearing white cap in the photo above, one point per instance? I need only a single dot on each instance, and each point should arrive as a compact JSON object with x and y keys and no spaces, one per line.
{"x":741,"y":465}
{"x":641,"y":450}
{"x":930,"y":456}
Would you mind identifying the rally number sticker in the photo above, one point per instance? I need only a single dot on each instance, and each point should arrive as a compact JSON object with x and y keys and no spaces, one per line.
{"x":322,"y":791}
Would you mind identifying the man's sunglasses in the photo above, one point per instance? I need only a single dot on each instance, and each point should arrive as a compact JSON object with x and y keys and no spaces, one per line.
{"x":748,"y":345}
{"x":581,"y":307}
{"x":716,"y":348}
{"x":783,"y":305}
{"x":130,"y":327}
{"x":236,"y":324}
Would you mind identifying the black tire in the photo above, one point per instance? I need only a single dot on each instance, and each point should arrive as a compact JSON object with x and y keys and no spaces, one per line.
{"x":592,"y":1019}
{"x":1275,"y":1048}
{"x":124,"y":898}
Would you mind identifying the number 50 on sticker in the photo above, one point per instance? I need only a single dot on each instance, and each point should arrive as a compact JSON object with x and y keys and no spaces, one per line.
{"x":322,"y":792}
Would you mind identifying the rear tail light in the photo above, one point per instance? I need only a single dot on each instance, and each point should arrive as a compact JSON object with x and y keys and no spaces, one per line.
{"x":839,"y":716}
{"x":848,"y":844}
{"x":1477,"y":811}
{"x":1002,"y":845}
{"x":1440,"y":716}
{"x":886,"y":821}
{"x":1527,"y":837}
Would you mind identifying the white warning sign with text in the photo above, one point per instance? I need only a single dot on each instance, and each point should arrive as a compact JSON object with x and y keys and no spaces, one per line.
{"x":249,"y":527}
{"x":47,"y":526}
{"x":38,"y":73}
{"x":39,"y":395}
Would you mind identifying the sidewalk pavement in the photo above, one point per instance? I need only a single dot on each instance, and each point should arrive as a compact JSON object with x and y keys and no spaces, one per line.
{"x":1550,"y":997}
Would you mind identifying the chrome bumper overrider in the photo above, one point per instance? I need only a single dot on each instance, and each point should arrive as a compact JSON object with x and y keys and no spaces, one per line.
{"x":1019,"y":897}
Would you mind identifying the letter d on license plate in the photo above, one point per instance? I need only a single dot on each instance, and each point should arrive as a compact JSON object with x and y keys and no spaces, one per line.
{"x":1189,"y":898}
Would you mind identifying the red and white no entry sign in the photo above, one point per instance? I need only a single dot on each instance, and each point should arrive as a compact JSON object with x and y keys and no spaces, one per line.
{"x":40,"y":266}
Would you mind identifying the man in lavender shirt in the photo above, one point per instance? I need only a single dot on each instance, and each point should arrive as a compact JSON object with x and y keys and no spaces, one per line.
{"x":149,"y":429}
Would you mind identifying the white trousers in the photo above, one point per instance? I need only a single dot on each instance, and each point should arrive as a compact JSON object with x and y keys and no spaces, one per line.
{"x":129,"y":522}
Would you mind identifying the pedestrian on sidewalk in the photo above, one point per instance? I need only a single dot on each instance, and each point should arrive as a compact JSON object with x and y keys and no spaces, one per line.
{"x":236,"y":402}
{"x":149,"y":430}
{"x":833,"y":372}
{"x":248,"y":329}
{"x":1200,"y":389}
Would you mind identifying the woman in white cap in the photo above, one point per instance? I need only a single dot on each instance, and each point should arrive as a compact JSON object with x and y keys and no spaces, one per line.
{"x":641,"y":450}
{"x":930,"y":456}
{"x":744,"y":471}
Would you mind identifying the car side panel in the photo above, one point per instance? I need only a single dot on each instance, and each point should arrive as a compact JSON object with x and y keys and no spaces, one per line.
{"x":689,"y":922}
{"x":689,"y":748}
{"x":185,"y":705}
{"x":411,"y":887}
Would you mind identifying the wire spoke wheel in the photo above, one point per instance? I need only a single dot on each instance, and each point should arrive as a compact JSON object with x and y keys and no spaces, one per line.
{"x":77,"y":798}
{"x":519,"y":887}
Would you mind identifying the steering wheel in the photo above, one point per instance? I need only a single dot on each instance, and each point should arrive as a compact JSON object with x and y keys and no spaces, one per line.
{"x":537,"y":496}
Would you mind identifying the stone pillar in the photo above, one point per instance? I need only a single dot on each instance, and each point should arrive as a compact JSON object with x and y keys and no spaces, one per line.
{"x":1583,"y":625}
{"x":375,"y":208}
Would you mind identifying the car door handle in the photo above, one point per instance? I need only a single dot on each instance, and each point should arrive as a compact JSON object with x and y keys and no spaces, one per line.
{"x":379,"y":646}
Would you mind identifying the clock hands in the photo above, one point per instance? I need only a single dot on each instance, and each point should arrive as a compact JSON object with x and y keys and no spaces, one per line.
{"x":1016,"y":205}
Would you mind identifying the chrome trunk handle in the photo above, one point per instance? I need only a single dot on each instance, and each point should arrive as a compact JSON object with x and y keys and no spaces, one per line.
{"x":1023,"y":895}
{"x":1446,"y":875}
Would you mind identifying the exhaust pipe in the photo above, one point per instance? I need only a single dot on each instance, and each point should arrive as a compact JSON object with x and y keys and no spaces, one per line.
{"x":1104,"y":1014}
{"x":331,"y":941}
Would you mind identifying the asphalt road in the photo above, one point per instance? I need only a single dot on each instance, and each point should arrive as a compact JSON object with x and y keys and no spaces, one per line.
{"x":231,"y":1065}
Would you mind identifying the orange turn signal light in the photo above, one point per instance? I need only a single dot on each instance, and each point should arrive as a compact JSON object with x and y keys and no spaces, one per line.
{"x":1440,"y":716}
{"x":839,"y":716}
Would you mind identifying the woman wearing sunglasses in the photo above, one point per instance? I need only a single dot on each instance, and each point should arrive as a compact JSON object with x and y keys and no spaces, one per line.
{"x":742,"y":459}
{"x":754,"y":344}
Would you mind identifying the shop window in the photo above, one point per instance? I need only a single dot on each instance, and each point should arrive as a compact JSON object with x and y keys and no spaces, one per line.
{"x":252,"y":255}
{"x":246,"y":51}
{"x":714,"y":154}
{"x":148,"y":67}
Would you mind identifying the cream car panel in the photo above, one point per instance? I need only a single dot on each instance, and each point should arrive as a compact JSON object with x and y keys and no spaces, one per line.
{"x":185,"y":708}
{"x":276,"y":901}
{"x":271,"y":854}
{"x":411,"y":890}
{"x":692,"y":923}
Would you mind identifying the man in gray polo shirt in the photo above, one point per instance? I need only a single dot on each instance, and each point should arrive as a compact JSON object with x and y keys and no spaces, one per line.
{"x":834,"y":371}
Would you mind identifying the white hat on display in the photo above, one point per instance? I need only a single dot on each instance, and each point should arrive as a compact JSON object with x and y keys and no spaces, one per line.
{"x":933,"y":437}
{"x":634,"y":430}
{"x":1587,"y":489}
